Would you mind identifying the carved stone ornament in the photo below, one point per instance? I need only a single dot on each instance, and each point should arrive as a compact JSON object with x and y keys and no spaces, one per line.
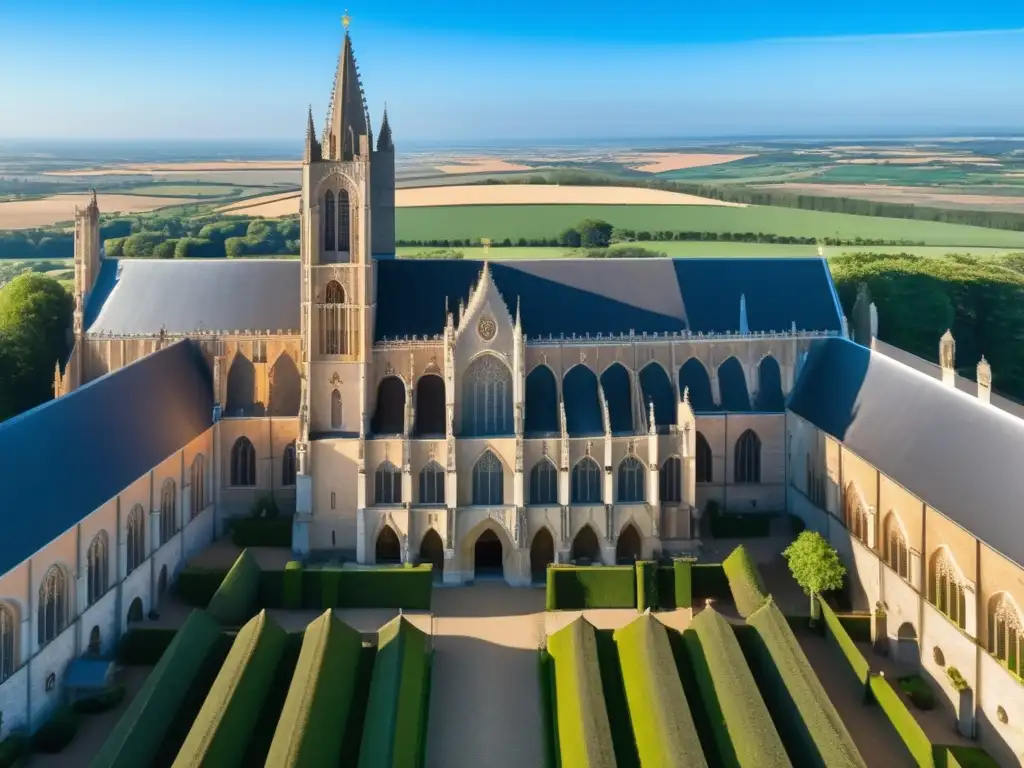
{"x":335,"y":379}
{"x":487,"y":328}
{"x":432,"y":366}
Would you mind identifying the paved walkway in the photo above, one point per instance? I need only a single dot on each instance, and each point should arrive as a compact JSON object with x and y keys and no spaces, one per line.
{"x":485,"y":707}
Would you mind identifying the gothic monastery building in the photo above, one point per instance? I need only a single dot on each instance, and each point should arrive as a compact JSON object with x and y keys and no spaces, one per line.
{"x":492,"y":418}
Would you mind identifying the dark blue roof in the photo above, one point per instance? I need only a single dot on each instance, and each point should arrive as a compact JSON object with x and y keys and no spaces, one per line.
{"x":952,"y":451}
{"x":566,"y":296}
{"x":66,"y":458}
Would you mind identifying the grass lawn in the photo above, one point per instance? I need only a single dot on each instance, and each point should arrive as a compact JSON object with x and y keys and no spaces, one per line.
{"x":514,"y":221}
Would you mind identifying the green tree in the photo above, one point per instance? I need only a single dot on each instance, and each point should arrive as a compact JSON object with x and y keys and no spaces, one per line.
{"x":165,"y":250}
{"x":815,"y":566}
{"x":594,"y":233}
{"x":570,"y":238}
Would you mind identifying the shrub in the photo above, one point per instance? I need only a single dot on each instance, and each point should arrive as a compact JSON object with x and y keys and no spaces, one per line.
{"x":682,"y":573}
{"x":13,"y":749}
{"x":575,"y":588}
{"x":196,"y":586}
{"x":406,"y":588}
{"x":967,"y":757}
{"x":225,"y":723}
{"x":291,"y":585}
{"x":268,"y":531}
{"x":662,"y":724}
{"x":646,"y":586}
{"x":858,"y":663}
{"x":740,"y":525}
{"x":101,"y":702}
{"x":319,"y":697}
{"x":546,"y":670}
{"x":584,"y":731}
{"x":906,"y":726}
{"x":143,"y":646}
{"x":271,"y":589}
{"x":745,"y":582}
{"x":918,"y":691}
{"x":806,"y":718}
{"x":393,"y":734}
{"x":57,"y":732}
{"x":137,"y":737}
{"x":957,"y":680}
{"x":709,"y":581}
{"x":740,"y":722}
{"x":237,"y":598}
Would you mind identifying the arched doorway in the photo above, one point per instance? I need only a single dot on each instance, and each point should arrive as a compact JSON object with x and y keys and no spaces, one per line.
{"x":627,"y":548}
{"x":585,"y":547}
{"x":95,"y":642}
{"x":389,"y":549}
{"x":488,"y":555}
{"x":432,"y":551}
{"x":135,"y":610}
{"x":542,"y":554}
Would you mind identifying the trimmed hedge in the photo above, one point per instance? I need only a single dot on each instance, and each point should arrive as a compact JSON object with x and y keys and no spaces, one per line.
{"x":100,"y":702}
{"x":743,"y":729}
{"x":810,"y":726}
{"x":394,"y":731}
{"x":745,"y":583}
{"x":646,"y":586}
{"x":197,"y":586}
{"x":906,"y":726}
{"x":600,"y":586}
{"x":584,"y":731}
{"x":57,"y":732}
{"x":137,"y":737}
{"x":291,"y":586}
{"x":319,"y":697}
{"x":709,"y":580}
{"x":237,"y":598}
{"x":406,"y":588}
{"x":225,"y":723}
{"x":549,"y":707}
{"x":261,"y":531}
{"x":666,"y":587}
{"x":682,"y":582}
{"x":740,"y":525}
{"x":13,"y":749}
{"x":858,"y":663}
{"x":964,"y":757}
{"x":144,"y":646}
{"x":662,"y":724}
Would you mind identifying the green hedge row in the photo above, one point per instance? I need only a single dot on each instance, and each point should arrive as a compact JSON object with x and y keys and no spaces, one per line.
{"x":406,"y":588}
{"x":742,"y":728}
{"x":310,"y":731}
{"x":237,"y":598}
{"x":57,"y":732}
{"x":662,"y":724}
{"x":225,"y":723}
{"x":394,"y":731}
{"x":144,"y":646}
{"x":745,"y":583}
{"x":858,"y":663}
{"x":584,"y":731}
{"x":914,"y":737}
{"x":709,"y":580}
{"x":646,"y":579}
{"x":137,"y":737}
{"x":196,"y":586}
{"x":579,"y":587}
{"x":805,"y":717}
{"x":261,"y":531}
{"x":549,"y":707}
{"x":740,"y":526}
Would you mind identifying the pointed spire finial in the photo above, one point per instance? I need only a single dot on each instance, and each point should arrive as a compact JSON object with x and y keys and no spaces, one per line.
{"x":650,"y":419}
{"x":686,"y":395}
{"x":744,"y":326}
{"x":346,"y":20}
{"x":519,"y":323}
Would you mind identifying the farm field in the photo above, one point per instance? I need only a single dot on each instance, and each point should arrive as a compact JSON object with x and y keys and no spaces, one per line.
{"x":27,"y":214}
{"x":1004,"y":198}
{"x":135,"y":169}
{"x":535,"y":221}
{"x":193,"y":190}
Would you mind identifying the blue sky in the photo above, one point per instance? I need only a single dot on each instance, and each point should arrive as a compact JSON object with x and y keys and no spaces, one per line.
{"x":462,"y":71}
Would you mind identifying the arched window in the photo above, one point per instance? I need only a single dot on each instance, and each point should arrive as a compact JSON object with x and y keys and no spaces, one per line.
{"x":432,"y":484}
{"x":670,"y":481}
{"x":430,"y":406}
{"x":747,"y":468}
{"x":1006,"y":632}
{"x":387,"y":483}
{"x":856,"y":514}
{"x":335,"y":409}
{"x":197,"y":482}
{"x":946,"y":590}
{"x":487,"y":398}
{"x":631,"y":480}
{"x":586,"y":482}
{"x":544,"y":482}
{"x":344,"y":236}
{"x":136,"y":537}
{"x":896,"y":552}
{"x":330,"y":217}
{"x":334,"y":321}
{"x":288,"y":465}
{"x":389,"y":416}
{"x":704,"y":460}
{"x":98,"y":563}
{"x":243,"y":463}
{"x":488,"y":481}
{"x":53,"y":604}
{"x":168,"y":511}
{"x":8,"y":633}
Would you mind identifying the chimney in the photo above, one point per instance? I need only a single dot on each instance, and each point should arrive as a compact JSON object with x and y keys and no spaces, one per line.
{"x":947,"y":359}
{"x":984,"y":381}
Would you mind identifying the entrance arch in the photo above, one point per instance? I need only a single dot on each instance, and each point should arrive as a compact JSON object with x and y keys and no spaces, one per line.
{"x":95,"y":642}
{"x":488,"y":555}
{"x":627,"y":548}
{"x":135,"y":610}
{"x":388,"y":549}
{"x":585,"y":546}
{"x":542,"y":554}
{"x":432,"y":551}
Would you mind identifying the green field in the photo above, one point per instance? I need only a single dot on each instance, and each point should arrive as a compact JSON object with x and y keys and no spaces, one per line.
{"x":534,"y":221}
{"x":190,"y":190}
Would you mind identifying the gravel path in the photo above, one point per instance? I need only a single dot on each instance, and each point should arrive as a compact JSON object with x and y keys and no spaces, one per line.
{"x":485,"y":707}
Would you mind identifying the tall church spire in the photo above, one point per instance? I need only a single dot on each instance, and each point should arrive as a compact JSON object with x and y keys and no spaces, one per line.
{"x":346,"y":118}
{"x":313,"y":149}
{"x":384,"y":140}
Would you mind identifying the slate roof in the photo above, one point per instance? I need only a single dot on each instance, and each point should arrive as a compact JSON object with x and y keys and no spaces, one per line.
{"x":615,"y":295}
{"x":181,"y":296}
{"x":960,"y":456}
{"x":64,"y":459}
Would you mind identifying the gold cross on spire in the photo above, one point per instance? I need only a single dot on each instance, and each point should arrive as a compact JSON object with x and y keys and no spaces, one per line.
{"x":346,"y":20}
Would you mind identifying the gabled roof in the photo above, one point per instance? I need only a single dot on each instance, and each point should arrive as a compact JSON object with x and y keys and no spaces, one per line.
{"x":958,"y":455}
{"x":615,"y":295}
{"x":185,"y":295}
{"x":66,"y":458}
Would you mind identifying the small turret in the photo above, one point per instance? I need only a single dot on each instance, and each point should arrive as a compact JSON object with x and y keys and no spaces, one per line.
{"x":314,"y":152}
{"x":384,"y":141}
{"x":947,"y":358}
{"x":744,"y":325}
{"x":984,"y":381}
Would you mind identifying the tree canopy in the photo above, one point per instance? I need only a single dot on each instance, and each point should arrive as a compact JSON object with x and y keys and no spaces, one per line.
{"x":814,"y":564}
